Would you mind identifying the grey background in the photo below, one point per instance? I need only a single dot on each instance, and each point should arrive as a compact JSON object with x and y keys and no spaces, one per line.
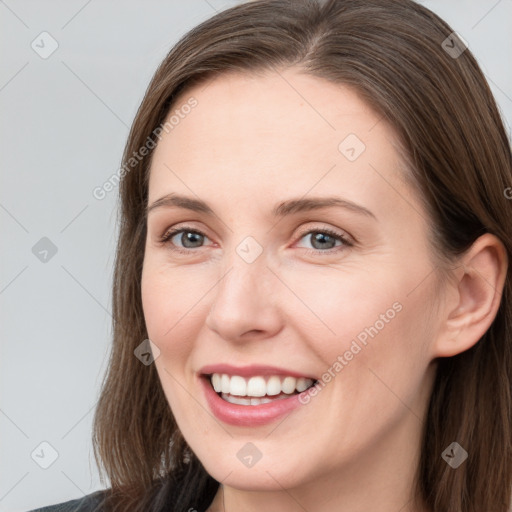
{"x":63,"y":126}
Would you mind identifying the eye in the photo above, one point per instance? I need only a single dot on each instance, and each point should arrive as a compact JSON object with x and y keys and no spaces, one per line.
{"x":323,"y":240}
{"x":190,"y":238}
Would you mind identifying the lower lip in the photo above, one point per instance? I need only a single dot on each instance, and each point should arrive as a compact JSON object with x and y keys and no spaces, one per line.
{"x":247,"y":415}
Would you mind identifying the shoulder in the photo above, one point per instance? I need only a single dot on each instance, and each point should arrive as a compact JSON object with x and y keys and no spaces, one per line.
{"x":86,"y":504}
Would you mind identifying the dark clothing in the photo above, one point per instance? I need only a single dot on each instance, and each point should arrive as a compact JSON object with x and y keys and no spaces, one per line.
{"x":167,"y":494}
{"x":86,"y":504}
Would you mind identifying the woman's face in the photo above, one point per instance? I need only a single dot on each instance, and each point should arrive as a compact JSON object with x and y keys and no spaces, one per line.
{"x":303,"y":256}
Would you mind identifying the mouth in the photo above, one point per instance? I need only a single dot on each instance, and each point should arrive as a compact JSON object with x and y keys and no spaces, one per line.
{"x":254,"y":395}
{"x":258,"y":389}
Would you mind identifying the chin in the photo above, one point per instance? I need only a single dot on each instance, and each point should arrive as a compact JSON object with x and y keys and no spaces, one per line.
{"x":271,"y":473}
{"x":254,"y":479}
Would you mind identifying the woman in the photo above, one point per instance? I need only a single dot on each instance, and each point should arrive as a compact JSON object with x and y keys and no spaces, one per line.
{"x":312,"y":308}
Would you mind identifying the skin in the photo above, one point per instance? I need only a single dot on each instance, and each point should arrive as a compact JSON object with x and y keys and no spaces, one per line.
{"x":251,"y":143}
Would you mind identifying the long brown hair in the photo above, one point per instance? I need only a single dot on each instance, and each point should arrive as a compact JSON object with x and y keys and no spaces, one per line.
{"x":394,"y":53}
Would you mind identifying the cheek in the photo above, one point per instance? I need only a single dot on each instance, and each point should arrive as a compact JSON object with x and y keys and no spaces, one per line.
{"x":154,"y":302}
{"x":168,"y":306}
{"x":348,"y":304}
{"x":362,"y":321}
{"x":171,"y":301}
{"x":158,"y":292}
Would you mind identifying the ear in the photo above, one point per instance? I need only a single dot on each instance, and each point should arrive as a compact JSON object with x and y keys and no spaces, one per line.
{"x":474,"y":297}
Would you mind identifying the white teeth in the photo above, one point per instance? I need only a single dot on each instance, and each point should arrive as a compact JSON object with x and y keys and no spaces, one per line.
{"x":273,"y":386}
{"x":258,"y":401}
{"x":237,"y":400}
{"x":302,"y":384}
{"x":255,"y":387}
{"x":225,"y":383}
{"x":288,"y":385}
{"x":238,"y":387}
{"x":216,"y":382}
{"x":249,"y":401}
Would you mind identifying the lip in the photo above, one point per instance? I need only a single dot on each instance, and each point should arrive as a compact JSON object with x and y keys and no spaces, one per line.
{"x":247,"y":415}
{"x":251,"y":371}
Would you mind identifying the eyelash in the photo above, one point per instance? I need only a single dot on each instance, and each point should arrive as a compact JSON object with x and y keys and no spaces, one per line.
{"x":165,"y":239}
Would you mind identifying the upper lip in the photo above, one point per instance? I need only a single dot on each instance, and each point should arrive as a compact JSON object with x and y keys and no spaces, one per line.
{"x":251,"y":370}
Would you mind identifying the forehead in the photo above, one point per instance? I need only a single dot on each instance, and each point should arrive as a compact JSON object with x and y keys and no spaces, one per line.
{"x":289,"y":103}
{"x":273,"y":133}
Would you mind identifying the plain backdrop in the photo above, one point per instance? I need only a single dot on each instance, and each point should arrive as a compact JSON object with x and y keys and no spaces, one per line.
{"x":64,"y":120}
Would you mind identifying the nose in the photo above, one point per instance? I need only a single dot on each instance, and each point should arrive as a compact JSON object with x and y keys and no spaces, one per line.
{"x":245,"y":302}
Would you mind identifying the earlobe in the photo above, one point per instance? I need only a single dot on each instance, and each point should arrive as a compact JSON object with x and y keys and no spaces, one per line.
{"x":475,"y":298}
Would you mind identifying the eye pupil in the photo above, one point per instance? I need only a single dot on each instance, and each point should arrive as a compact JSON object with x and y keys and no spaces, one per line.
{"x":190,"y":236}
{"x":322,"y":238}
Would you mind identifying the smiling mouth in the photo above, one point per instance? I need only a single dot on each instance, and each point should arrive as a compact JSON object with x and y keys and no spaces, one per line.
{"x":257,"y":390}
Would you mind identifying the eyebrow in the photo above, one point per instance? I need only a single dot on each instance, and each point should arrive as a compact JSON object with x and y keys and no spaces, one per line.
{"x":288,"y":207}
